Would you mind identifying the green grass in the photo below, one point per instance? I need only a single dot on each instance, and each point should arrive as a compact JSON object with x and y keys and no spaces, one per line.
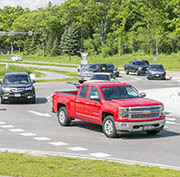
{"x":13,"y":68}
{"x":169,"y":61}
{"x":24,"y":165}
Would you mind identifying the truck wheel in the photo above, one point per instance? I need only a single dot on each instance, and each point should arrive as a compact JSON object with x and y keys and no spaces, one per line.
{"x":109,"y":127}
{"x":63,"y":118}
{"x":153,"y":132}
{"x":137,"y":72}
{"x":127,"y":71}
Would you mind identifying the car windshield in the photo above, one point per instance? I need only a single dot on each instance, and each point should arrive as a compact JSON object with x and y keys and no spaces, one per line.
{"x":100,"y":77}
{"x":18,"y":79}
{"x":156,"y":67}
{"x":141,"y":63}
{"x":119,"y":92}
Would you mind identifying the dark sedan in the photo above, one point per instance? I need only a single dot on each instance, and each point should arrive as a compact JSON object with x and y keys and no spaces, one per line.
{"x":156,"y":72}
{"x":17,"y":87}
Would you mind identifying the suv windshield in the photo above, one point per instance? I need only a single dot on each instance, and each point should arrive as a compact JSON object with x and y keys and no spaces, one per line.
{"x":141,"y":63}
{"x":18,"y":79}
{"x":121,"y":92}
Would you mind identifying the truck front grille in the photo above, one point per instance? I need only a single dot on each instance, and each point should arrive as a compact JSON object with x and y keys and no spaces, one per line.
{"x":144,"y":112}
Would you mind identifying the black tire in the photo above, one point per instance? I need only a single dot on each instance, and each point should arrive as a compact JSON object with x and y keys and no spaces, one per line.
{"x":109,"y":127}
{"x":127,"y":71}
{"x":33,"y":100}
{"x":153,"y":132}
{"x":137,"y":72}
{"x":63,"y":118}
{"x":2,"y":101}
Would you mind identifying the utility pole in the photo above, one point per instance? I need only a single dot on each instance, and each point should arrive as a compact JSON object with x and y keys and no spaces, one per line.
{"x":82,"y":10}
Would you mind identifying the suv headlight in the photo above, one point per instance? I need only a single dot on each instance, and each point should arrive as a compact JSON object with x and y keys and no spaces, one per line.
{"x":28,"y":88}
{"x":123,"y":113}
{"x":6,"y":89}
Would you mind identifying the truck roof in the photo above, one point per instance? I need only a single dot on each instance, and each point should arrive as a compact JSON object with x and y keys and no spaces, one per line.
{"x":106,"y":84}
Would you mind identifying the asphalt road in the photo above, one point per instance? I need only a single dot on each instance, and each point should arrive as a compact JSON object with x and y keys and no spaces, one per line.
{"x":35,"y":129}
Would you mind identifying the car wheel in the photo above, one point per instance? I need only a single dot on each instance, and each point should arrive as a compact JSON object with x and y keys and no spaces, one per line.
{"x":127,"y":71}
{"x":153,"y":132}
{"x":63,"y":118}
{"x":109,"y":127}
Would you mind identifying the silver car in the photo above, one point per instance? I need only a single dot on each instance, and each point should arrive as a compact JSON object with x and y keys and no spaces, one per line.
{"x":16,"y":58}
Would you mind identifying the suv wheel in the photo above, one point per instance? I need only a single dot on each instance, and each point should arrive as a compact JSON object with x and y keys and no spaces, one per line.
{"x":127,"y":71}
{"x":137,"y":72}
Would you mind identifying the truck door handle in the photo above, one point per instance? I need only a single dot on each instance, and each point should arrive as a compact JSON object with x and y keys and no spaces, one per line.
{"x":86,"y":102}
{"x":77,"y":101}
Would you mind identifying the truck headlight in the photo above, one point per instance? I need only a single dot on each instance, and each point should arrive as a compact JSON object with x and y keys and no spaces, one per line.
{"x":162,"y":110}
{"x":123,"y":113}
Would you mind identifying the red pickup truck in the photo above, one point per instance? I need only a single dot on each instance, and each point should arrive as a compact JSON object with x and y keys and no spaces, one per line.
{"x":118,"y":107}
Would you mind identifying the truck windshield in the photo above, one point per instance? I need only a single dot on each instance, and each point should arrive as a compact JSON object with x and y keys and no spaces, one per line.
{"x":19,"y":79}
{"x":121,"y":92}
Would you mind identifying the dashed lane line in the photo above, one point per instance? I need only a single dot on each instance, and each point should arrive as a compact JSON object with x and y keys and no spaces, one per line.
{"x":16,"y":130}
{"x":42,"y":138}
{"x":100,"y":155}
{"x":2,"y":123}
{"x":77,"y":149}
{"x":59,"y":143}
{"x":28,"y":134}
{"x":7,"y":126}
{"x":40,"y":114}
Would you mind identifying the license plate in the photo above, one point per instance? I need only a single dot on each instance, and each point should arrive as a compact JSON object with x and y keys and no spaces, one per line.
{"x":147,"y":127}
{"x":17,"y":95}
{"x":157,"y":75}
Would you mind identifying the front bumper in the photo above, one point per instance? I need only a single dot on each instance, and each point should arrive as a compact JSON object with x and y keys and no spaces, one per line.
{"x":18,"y":96}
{"x":158,"y":75}
{"x":140,"y":126}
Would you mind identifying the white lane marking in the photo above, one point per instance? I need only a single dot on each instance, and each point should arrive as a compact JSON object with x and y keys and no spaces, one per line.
{"x":100,"y":155}
{"x":16,"y":130}
{"x":77,"y":149}
{"x":28,"y":134}
{"x":58,"y":143}
{"x":42,"y":138}
{"x":170,"y":119}
{"x":173,"y":123}
{"x":2,"y":123}
{"x":40,"y":114}
{"x":7,"y":126}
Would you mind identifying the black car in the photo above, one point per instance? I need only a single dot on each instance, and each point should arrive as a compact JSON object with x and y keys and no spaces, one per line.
{"x":156,"y":72}
{"x":114,"y":69}
{"x":137,"y":66}
{"x":17,"y":87}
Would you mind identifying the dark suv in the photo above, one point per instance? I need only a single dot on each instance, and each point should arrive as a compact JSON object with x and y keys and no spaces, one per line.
{"x":137,"y":66}
{"x":17,"y":87}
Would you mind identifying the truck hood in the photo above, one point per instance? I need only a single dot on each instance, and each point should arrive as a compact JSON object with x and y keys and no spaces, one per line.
{"x":134,"y":102}
{"x":17,"y":85}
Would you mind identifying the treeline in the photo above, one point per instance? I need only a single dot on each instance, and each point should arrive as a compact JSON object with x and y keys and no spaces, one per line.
{"x":107,"y":27}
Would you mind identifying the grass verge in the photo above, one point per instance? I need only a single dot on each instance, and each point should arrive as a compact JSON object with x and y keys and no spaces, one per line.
{"x":13,"y":68}
{"x":24,"y":165}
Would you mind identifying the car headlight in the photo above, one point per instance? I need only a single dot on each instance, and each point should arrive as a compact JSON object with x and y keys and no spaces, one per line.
{"x":6,"y":89}
{"x":123,"y":113}
{"x":28,"y":88}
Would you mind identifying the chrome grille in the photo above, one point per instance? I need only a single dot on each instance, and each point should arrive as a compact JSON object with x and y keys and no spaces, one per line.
{"x":144,"y":112}
{"x":15,"y":90}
